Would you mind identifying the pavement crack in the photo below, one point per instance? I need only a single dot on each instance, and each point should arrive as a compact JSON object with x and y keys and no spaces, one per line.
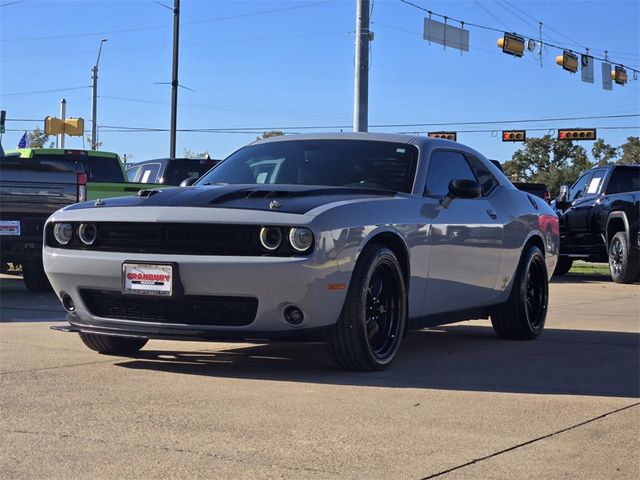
{"x":529,"y":442}
{"x":161,"y":448}
{"x":57,"y":367}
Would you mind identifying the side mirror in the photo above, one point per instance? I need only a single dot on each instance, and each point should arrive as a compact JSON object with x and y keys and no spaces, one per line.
{"x":187,"y":182}
{"x":564,"y":193}
{"x":461,"y":188}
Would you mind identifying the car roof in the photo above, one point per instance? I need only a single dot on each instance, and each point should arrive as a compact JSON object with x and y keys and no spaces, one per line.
{"x":30,"y":152}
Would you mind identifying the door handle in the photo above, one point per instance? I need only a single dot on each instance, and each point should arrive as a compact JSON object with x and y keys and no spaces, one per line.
{"x":492,"y":214}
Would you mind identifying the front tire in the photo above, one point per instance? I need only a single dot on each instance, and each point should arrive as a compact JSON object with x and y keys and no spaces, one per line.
{"x":368,"y":333}
{"x":112,"y":345}
{"x":523,"y":315}
{"x":623,"y":260}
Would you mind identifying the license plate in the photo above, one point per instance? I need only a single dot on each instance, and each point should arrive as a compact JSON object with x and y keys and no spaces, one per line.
{"x":147,"y":279}
{"x":9,"y":227}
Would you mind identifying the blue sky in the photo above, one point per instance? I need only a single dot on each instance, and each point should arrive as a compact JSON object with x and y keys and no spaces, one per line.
{"x":278,"y":64}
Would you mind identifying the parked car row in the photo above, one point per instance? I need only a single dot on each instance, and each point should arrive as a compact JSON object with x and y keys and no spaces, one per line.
{"x":349,"y":238}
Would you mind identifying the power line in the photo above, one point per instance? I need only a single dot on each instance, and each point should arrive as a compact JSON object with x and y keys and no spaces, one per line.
{"x":194,"y":22}
{"x":197,"y":44}
{"x":36,"y":92}
{"x":389,"y":125}
{"x":484,"y":27}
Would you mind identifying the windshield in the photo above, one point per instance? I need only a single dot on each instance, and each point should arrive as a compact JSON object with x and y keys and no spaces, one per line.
{"x":339,"y":163}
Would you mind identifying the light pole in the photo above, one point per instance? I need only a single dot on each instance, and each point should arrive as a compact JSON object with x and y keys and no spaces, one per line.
{"x":94,"y":100}
{"x":361,"y":88}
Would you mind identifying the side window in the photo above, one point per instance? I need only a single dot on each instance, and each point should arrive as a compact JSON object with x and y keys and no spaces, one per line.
{"x":486,"y":180}
{"x":595,"y":183}
{"x":131,"y":173}
{"x":578,"y":188}
{"x":149,"y":173}
{"x":445,"y":166}
{"x":624,"y":179}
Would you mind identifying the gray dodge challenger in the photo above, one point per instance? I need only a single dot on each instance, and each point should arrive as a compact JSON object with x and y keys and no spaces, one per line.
{"x":351,"y":238}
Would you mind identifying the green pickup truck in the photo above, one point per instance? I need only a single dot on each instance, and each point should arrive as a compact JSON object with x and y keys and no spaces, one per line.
{"x":34,"y":183}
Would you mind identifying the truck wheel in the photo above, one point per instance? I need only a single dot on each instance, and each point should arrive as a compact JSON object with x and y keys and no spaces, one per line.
{"x":563,"y":266}
{"x":112,"y":345}
{"x":623,"y":260}
{"x":368,"y":333}
{"x":34,"y":277}
{"x":523,"y":315}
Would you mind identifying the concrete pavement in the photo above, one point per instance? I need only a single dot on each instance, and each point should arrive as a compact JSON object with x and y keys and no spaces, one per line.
{"x":456,"y":403}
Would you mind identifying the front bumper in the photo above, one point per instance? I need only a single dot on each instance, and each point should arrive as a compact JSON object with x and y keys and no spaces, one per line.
{"x":275,"y":282}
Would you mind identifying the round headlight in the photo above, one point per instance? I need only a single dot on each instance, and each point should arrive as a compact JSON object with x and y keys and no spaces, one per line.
{"x":87,"y":232}
{"x":270,"y":238}
{"x":300,"y":239}
{"x":63,"y":233}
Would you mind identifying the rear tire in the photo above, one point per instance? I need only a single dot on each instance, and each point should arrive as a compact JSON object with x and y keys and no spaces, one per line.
{"x":112,"y":345}
{"x":34,"y":277}
{"x":623,"y":260}
{"x":563,"y":266}
{"x":368,"y":333}
{"x":523,"y":315}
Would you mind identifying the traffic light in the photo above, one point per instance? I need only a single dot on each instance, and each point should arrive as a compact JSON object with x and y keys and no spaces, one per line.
{"x":619,"y":75}
{"x":514,"y":135}
{"x":512,"y":44}
{"x":577,"y":134}
{"x":3,"y":117}
{"x":74,"y":127}
{"x":70,"y":126}
{"x":53,"y":126}
{"x":568,"y":61}
{"x":446,"y":135}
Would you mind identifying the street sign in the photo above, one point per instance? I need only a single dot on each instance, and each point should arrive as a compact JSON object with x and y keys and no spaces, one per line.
{"x":447,"y":35}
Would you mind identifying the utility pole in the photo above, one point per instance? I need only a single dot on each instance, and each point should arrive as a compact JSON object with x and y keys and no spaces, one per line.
{"x":94,"y":100}
{"x":361,"y":84}
{"x":174,"y":78}
{"x":63,"y":112}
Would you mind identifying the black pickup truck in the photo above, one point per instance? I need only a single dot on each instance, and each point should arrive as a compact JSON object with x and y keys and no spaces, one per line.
{"x":599,"y":221}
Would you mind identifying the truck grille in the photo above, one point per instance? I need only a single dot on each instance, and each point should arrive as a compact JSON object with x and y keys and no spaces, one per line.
{"x":201,"y":310}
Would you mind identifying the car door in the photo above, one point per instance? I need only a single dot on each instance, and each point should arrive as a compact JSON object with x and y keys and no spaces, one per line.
{"x":465,"y":239}
{"x":577,"y":216}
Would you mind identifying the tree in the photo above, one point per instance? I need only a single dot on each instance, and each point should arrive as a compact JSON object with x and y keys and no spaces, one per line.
{"x":269,"y":134}
{"x":630,"y":151}
{"x":37,"y":139}
{"x":191,"y":154}
{"x":549,"y":161}
{"x":603,"y":153}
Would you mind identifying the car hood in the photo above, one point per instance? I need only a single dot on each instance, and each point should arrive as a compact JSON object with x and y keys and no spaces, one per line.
{"x":297,"y":199}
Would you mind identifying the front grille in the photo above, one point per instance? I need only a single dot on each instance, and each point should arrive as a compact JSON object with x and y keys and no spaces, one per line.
{"x":188,"y":309}
{"x":176,"y":239}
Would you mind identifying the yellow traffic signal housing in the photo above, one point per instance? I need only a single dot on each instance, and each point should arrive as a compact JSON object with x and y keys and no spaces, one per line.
{"x":74,"y":127}
{"x":619,"y":75}
{"x":568,"y":61}
{"x":53,"y":126}
{"x":446,"y":135}
{"x":577,"y":134}
{"x":512,"y":44}
{"x":514,"y":135}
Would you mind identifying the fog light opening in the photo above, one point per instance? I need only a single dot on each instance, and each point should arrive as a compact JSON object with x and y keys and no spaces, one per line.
{"x":67,"y":303}
{"x":293,"y":315}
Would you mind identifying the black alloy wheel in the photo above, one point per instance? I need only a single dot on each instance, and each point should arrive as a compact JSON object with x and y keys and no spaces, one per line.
{"x":624,"y":264}
{"x":523,"y":315}
{"x":382,"y":320}
{"x":537,"y":293}
{"x":368,"y":333}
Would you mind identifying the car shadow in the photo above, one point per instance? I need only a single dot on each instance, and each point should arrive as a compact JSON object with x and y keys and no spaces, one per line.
{"x":581,"y":278}
{"x":463,"y":357}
